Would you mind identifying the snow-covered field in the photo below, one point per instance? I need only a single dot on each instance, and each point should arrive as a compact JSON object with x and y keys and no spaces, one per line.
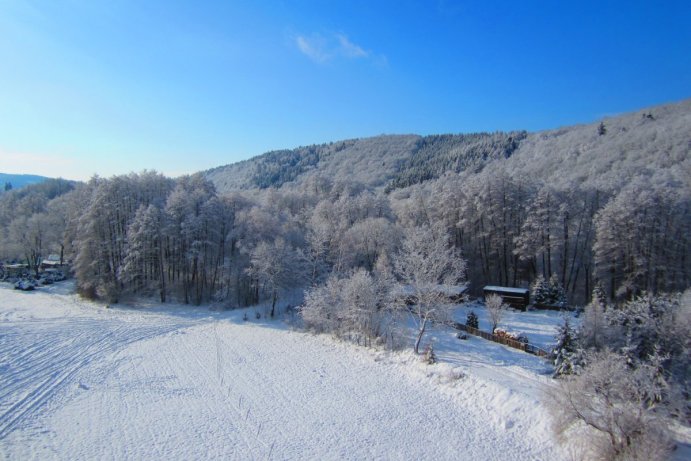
{"x":78,"y":381}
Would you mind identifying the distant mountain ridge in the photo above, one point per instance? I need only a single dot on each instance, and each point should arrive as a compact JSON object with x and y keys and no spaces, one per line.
{"x":20,"y":180}
{"x":607,"y":150}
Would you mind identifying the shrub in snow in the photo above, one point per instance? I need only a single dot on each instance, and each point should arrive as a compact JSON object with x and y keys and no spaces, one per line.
{"x":472,"y":320}
{"x":609,"y":398}
{"x":628,"y":389}
{"x":429,"y":356}
{"x":356,"y":307}
{"x":521,"y":338}
{"x":654,"y":331}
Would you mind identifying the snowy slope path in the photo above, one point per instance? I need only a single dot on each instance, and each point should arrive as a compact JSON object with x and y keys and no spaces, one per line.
{"x":36,"y":365}
{"x":82,"y":382}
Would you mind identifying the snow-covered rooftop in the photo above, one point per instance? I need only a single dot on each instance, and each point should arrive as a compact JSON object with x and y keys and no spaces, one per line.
{"x":507,"y":289}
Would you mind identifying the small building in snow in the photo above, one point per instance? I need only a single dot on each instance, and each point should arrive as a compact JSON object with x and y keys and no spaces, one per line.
{"x":514,"y":297}
{"x":15,"y":270}
{"x":52,"y":261}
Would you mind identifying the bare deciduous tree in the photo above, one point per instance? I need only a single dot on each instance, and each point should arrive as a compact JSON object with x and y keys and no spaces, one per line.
{"x":425,"y":264}
{"x":495,"y":308}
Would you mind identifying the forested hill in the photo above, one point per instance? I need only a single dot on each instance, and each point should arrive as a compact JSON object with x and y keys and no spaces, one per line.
{"x":16,"y":181}
{"x":389,"y":161}
{"x":607,"y":151}
{"x":607,"y":154}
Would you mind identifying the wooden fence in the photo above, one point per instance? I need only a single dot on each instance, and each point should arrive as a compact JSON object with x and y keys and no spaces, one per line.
{"x":525,"y":347}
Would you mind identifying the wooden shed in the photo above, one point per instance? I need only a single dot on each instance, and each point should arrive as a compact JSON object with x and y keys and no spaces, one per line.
{"x":514,"y":297}
{"x":16,"y":270}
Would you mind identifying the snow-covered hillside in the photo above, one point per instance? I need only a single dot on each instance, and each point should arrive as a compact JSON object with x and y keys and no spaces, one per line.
{"x":604,"y":153}
{"x":78,"y":381}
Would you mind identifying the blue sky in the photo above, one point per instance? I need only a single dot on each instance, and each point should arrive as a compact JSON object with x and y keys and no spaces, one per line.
{"x":94,"y":87}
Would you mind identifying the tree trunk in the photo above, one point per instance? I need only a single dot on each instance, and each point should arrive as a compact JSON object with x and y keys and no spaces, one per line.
{"x":419,"y":336}
{"x":273,"y":303}
{"x":161,"y":273}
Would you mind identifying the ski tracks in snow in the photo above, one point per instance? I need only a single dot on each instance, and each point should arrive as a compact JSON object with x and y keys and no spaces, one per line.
{"x":136,"y":385}
{"x":38,"y":364}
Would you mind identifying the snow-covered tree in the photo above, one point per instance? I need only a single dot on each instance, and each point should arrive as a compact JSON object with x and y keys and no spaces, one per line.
{"x":357,"y":307}
{"x":143,"y":266}
{"x":652,"y":326}
{"x":194,"y":218}
{"x":540,"y":290}
{"x":490,"y":209}
{"x":363,"y":243}
{"x":651,"y":331}
{"x":548,"y":293}
{"x":277,"y":266}
{"x":30,"y":237}
{"x":495,"y":308}
{"x":642,"y":241}
{"x":472,"y":320}
{"x":538,"y":237}
{"x":318,"y":243}
{"x":610,"y":399}
{"x":557,"y":297}
{"x":367,"y":305}
{"x":425,"y":263}
{"x":594,"y":325}
{"x":567,"y":356}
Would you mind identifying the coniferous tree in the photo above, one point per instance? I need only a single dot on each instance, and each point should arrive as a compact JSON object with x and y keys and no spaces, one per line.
{"x":567,"y":357}
{"x":594,"y":326}
{"x":556,"y":297}
{"x":472,"y":320}
{"x":601,"y":129}
{"x":540,"y":291}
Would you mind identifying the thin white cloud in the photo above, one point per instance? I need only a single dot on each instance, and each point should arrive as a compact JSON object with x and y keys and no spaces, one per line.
{"x":350,"y":49}
{"x":322,"y":48}
{"x":313,"y":47}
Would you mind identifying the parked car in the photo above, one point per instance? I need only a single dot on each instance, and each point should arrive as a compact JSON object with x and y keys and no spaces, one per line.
{"x":25,"y":285}
{"x":52,"y":275}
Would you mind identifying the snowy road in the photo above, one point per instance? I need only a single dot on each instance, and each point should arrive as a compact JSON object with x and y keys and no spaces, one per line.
{"x":81,"y":382}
